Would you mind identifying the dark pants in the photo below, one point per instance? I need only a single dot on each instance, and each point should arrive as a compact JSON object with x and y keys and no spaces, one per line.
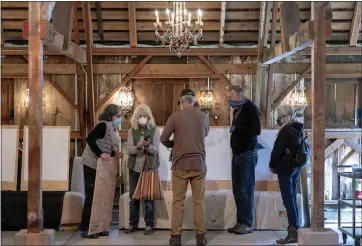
{"x":243,"y":180}
{"x":288,"y":189}
{"x":89,"y":182}
{"x":134,"y":205}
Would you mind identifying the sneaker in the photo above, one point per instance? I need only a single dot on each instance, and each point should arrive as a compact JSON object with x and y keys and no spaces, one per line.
{"x":235,"y":227}
{"x":175,"y":241}
{"x":201,"y":239}
{"x":84,"y":234}
{"x":104,"y":234}
{"x":243,"y":229}
{"x":130,"y":230}
{"x":148,"y":230}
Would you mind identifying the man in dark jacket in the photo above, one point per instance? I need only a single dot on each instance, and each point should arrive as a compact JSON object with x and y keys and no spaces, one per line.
{"x":244,"y":130}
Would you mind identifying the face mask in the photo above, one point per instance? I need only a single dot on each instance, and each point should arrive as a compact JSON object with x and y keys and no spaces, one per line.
{"x":142,"y":121}
{"x":117,"y":121}
{"x":236,"y":104}
{"x":279,"y":122}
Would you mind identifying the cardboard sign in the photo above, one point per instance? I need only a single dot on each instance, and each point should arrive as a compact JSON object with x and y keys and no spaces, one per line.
{"x":103,"y":198}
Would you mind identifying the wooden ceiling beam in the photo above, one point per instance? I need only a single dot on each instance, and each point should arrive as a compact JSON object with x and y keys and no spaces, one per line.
{"x":99,"y":19}
{"x":124,"y":81}
{"x":62,"y":21}
{"x":215,"y":71}
{"x":222,"y":24}
{"x":356,"y":24}
{"x":132,"y":24}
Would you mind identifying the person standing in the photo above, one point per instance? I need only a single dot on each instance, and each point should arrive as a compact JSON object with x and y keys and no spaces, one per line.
{"x":281,"y":163}
{"x":189,"y":127}
{"x":139,"y":146}
{"x":102,"y":142}
{"x":244,"y":130}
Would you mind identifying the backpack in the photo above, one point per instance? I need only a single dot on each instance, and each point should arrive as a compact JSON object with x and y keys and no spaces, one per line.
{"x":303,"y":152}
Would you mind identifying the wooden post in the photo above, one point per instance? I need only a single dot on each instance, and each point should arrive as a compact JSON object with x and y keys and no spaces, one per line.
{"x":268,"y":116}
{"x":87,"y":19}
{"x":318,"y":114}
{"x":80,"y":84}
{"x":36,"y":83}
{"x":132,"y":24}
{"x":222,"y":24}
{"x":258,"y":93}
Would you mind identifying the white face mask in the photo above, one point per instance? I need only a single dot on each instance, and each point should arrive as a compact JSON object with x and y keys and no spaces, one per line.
{"x":142,"y":121}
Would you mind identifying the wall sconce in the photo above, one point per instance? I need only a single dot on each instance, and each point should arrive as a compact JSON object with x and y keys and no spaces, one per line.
{"x":125,"y":98}
{"x":27,"y":99}
{"x":207,"y":98}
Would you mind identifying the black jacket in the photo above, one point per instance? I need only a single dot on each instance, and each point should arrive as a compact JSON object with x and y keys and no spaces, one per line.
{"x":247,"y":128}
{"x":287,"y":139}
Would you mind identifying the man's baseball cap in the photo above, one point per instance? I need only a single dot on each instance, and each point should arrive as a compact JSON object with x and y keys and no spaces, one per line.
{"x":186,"y":92}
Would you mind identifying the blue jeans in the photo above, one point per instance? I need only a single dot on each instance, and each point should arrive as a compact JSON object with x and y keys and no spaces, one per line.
{"x":243,"y":180}
{"x":134,"y":205}
{"x":288,"y":189}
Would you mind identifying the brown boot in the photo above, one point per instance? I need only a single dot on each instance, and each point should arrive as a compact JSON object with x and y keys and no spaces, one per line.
{"x":201,"y":239}
{"x":292,"y":236}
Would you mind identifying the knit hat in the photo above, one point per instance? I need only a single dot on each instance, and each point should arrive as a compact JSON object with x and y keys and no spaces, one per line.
{"x":285,"y":110}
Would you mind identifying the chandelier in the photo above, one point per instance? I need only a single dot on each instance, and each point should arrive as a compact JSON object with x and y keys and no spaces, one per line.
{"x":207,"y":98}
{"x":178,"y":32}
{"x":299,"y":101}
{"x":124,"y":98}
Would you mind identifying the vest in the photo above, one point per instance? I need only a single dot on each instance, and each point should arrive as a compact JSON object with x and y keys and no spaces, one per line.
{"x":153,"y":160}
{"x":108,"y":144}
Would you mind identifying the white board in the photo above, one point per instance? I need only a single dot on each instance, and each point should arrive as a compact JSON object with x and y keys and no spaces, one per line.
{"x":9,"y":157}
{"x":55,"y":158}
{"x":218,"y":155}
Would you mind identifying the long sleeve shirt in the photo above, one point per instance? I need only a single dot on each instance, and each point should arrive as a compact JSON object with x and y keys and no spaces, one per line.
{"x":189,"y":128}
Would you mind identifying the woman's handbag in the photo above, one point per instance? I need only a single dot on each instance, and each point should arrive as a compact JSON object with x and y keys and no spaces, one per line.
{"x":149,"y":184}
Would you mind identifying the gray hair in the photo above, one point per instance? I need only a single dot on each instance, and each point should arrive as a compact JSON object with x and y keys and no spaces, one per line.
{"x":238,"y":91}
{"x":188,"y":99}
{"x":285,"y":110}
{"x":110,"y":111}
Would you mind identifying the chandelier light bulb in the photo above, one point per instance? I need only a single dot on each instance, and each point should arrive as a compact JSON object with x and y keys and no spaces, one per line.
{"x":167,"y":12}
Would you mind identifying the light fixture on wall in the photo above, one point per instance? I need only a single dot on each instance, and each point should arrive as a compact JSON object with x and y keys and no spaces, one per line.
{"x":299,"y":100}
{"x":178,"y":31}
{"x":124,"y":98}
{"x":27,"y":99}
{"x":207,"y":98}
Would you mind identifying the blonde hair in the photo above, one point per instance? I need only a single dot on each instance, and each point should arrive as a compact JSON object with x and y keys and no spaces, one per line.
{"x":136,"y":114}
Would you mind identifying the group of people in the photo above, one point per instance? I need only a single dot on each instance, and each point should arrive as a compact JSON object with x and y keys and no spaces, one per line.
{"x":185,"y":133}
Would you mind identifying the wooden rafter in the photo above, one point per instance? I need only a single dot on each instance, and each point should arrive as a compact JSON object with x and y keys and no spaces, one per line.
{"x":99,"y":19}
{"x":268,"y":118}
{"x":35,"y":83}
{"x":132,"y":24}
{"x":215,"y":71}
{"x":222,"y":23}
{"x":63,"y":20}
{"x":90,"y":83}
{"x":48,"y":79}
{"x":46,"y":10}
{"x":356,"y":24}
{"x":124,"y":81}
{"x":290,"y":87}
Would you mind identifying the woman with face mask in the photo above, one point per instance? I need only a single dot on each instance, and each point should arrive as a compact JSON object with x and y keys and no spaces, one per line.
{"x":102,"y":142}
{"x":282,"y":164}
{"x":140,"y":144}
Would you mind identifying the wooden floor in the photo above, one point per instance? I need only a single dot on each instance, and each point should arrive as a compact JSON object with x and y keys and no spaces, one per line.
{"x":161,"y":238}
